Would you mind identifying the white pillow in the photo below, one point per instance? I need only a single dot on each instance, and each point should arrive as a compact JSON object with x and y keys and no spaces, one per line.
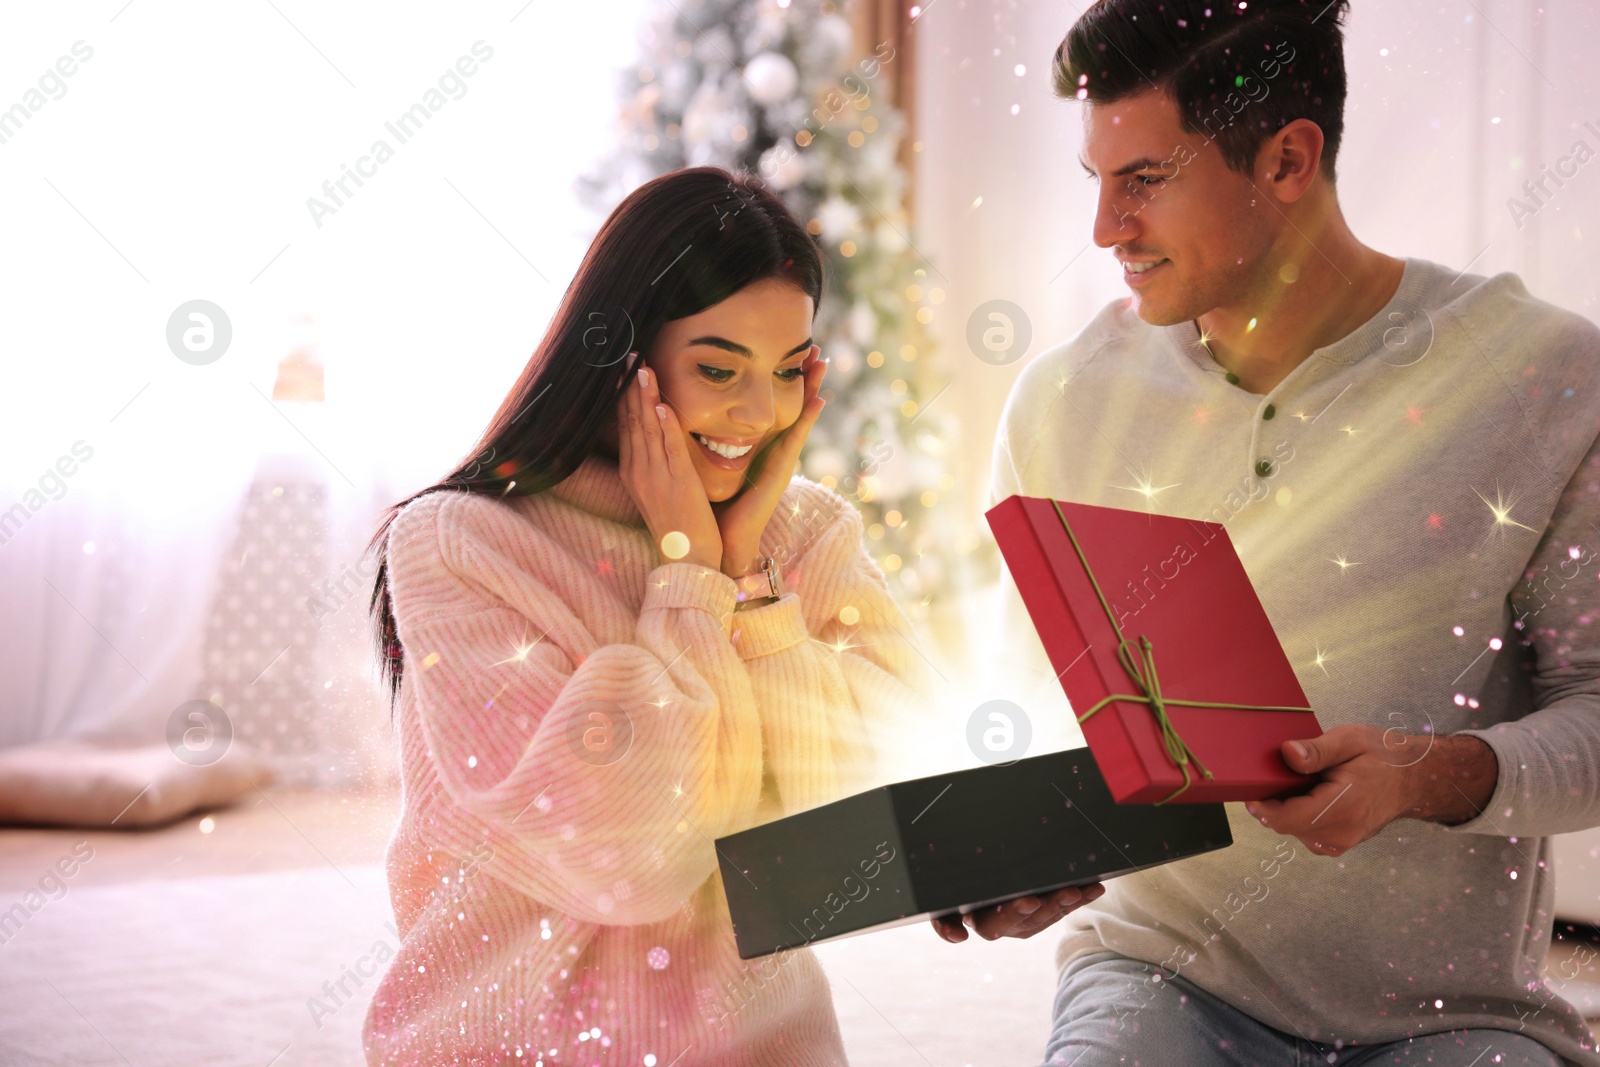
{"x":74,"y":783}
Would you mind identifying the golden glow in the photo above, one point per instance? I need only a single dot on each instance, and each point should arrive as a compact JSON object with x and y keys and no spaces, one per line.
{"x":1343,"y":564}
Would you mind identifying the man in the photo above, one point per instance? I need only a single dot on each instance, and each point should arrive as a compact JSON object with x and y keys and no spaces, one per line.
{"x":1405,"y":459}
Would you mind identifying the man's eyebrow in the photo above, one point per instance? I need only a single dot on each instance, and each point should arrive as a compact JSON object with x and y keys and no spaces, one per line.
{"x":740,"y":350}
{"x":1144,"y":163}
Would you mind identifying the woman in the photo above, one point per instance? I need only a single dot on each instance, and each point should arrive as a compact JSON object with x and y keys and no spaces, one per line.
{"x":594,"y":678}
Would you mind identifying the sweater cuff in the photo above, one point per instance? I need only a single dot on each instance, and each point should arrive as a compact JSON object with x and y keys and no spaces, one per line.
{"x":689,"y":585}
{"x":1499,"y":806}
{"x":770,"y":628}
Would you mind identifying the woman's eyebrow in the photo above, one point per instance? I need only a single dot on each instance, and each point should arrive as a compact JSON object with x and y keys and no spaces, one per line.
{"x":740,"y":350}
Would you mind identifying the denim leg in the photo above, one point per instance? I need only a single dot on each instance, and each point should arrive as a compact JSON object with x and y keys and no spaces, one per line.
{"x":1109,"y":1011}
{"x":1474,"y":1047}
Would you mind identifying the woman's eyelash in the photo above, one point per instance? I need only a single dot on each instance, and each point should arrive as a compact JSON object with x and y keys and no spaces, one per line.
{"x":720,"y":374}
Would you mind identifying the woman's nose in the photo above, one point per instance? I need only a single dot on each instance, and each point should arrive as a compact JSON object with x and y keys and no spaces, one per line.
{"x":754,"y":409}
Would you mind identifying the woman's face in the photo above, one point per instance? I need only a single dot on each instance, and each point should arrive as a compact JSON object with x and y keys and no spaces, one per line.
{"x":734,"y":375}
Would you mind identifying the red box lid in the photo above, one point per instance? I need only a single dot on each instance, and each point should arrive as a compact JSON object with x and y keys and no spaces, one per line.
{"x":1179,"y":583}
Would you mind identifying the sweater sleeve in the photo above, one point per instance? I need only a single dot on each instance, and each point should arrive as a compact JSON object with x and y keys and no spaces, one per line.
{"x":841,"y":677}
{"x":605,"y":764}
{"x":1549,"y":759}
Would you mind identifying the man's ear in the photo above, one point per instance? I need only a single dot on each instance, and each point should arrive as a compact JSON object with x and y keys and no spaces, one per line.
{"x":1290,"y":161}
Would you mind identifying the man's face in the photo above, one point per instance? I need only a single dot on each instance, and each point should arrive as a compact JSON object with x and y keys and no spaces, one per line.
{"x":1169,"y":203}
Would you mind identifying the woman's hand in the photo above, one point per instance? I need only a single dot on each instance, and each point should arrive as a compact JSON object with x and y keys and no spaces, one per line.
{"x":743,"y":519}
{"x":659,"y":475}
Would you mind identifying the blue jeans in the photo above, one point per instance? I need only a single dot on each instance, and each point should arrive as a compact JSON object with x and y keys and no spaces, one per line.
{"x":1107,"y":1012}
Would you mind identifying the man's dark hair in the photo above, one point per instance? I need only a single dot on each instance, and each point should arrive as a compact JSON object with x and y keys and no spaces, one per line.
{"x":1238,"y":72}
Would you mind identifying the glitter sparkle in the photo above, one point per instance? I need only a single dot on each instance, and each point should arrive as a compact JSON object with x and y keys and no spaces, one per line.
{"x":1145,"y":487}
{"x":522,"y":651}
{"x":1501,"y":509}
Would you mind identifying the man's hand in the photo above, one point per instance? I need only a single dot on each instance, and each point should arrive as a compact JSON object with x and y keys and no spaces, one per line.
{"x":1370,"y":777}
{"x":1017,"y":917}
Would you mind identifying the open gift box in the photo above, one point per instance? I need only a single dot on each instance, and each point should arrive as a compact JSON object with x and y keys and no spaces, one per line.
{"x":1114,"y":595}
{"x":946,"y":843}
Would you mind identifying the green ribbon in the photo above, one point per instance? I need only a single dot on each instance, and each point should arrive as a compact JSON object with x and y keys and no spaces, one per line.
{"x":1144,"y":676}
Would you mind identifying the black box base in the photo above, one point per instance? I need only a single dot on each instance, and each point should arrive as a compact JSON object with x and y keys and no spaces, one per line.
{"x":943,"y":844}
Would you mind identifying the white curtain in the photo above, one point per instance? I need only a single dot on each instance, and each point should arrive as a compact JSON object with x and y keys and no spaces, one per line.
{"x":179,"y":161}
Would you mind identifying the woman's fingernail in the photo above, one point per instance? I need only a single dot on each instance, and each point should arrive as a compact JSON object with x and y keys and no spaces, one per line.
{"x":1028,"y":907}
{"x":661,"y":412}
{"x":643,"y":378}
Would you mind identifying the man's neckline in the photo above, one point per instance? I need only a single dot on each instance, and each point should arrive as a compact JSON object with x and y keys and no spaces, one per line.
{"x":1365,"y":339}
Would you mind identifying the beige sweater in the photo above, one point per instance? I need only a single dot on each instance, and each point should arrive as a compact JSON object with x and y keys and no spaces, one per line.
{"x":578,"y":722}
{"x":1402,"y":601}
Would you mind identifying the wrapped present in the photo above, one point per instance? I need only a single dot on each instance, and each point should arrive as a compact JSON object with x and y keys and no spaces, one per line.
{"x":945,"y":844}
{"x":1166,"y":654}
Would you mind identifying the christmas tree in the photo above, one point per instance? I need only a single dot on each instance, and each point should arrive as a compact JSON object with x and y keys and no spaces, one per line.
{"x":782,"y":90}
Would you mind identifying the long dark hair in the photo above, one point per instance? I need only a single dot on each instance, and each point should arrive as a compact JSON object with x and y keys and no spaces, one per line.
{"x":672,"y":248}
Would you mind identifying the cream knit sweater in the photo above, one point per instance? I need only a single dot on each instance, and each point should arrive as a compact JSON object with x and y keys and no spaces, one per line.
{"x":558,"y":898}
{"x":1418,"y":507}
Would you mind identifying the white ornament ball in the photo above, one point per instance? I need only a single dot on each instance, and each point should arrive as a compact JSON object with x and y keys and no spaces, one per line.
{"x":831,"y":39}
{"x":772,"y":78}
{"x":839,"y":218}
{"x":782,"y":166}
{"x":863,"y":323}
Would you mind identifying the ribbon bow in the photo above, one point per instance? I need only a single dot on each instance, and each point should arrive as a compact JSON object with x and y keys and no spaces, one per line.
{"x":1143,"y":674}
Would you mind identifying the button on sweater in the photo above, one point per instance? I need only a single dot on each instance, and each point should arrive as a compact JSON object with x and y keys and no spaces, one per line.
{"x":578,"y":722}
